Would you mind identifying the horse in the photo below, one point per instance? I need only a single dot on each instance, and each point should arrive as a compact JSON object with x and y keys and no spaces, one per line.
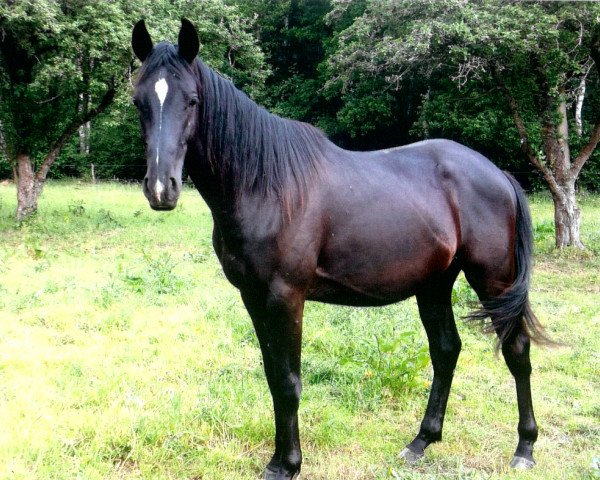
{"x":298,"y":218}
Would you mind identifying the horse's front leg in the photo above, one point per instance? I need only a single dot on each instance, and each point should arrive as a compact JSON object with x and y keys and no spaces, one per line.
{"x":276,"y":312}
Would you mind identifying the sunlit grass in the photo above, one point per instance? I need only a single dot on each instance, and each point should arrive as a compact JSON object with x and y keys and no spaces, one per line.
{"x":124,"y":354}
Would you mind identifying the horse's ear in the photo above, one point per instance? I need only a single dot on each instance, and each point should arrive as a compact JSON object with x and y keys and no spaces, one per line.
{"x":188,"y":42}
{"x":141,"y":41}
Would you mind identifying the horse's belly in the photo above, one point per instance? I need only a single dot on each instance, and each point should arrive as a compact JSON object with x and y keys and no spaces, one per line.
{"x":382,"y":270}
{"x":327,"y":290}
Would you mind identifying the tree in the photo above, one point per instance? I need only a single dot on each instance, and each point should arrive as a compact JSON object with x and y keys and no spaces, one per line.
{"x":292,"y":34}
{"x":64,"y":62}
{"x":535,"y":55}
{"x":51,"y":54}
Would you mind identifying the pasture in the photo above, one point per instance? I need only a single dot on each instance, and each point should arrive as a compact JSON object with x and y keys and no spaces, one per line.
{"x":125,"y":354}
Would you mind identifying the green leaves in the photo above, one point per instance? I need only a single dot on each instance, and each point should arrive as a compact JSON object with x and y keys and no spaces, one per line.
{"x":226,"y":41}
{"x":53,"y":52}
{"x":58,"y":58}
{"x":363,"y":114}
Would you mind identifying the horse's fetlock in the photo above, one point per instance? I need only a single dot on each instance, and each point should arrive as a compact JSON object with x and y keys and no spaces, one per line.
{"x":290,"y":462}
{"x":293,"y":460}
{"x":431,"y":430}
{"x":528,"y":431}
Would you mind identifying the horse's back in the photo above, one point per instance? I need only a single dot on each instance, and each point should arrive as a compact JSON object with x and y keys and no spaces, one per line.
{"x":439,"y":171}
{"x":484,"y":197}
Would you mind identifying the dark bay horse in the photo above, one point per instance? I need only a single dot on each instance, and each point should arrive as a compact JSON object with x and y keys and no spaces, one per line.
{"x":297,"y":218}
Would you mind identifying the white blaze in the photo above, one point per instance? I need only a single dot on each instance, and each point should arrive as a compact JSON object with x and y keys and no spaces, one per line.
{"x":161,"y":87}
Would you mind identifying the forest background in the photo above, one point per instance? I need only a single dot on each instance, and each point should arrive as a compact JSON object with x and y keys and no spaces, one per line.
{"x":516,"y":81}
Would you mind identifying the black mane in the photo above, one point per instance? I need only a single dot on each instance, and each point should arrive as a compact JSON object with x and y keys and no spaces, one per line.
{"x":252,"y":149}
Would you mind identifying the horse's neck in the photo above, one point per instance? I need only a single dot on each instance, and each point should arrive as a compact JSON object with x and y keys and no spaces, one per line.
{"x":261,"y":154}
{"x":208,"y":181}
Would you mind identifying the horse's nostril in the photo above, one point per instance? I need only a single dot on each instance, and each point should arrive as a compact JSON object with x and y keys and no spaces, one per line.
{"x":146,"y":183}
{"x":173,"y":184}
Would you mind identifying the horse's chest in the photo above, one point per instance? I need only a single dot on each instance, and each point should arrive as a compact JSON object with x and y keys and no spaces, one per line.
{"x":234,"y":266}
{"x":243,"y":266}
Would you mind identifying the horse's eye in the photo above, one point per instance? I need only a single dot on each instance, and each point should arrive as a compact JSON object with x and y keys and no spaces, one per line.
{"x":193,"y":102}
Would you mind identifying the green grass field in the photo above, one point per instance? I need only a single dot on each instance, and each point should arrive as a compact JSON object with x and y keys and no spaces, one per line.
{"x":125,"y":354}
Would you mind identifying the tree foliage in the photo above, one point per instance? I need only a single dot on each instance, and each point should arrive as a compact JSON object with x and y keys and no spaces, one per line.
{"x":227,"y":45}
{"x":371,"y":73}
{"x":51,"y":53}
{"x":64,"y":62}
{"x":459,"y":40}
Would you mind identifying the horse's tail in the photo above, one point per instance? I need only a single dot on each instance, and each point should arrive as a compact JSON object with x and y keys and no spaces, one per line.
{"x":511,"y":311}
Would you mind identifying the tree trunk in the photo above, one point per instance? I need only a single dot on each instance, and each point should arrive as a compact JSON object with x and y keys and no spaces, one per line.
{"x":28,"y":187}
{"x":579,"y":97}
{"x":84,"y":138}
{"x":30,"y":182}
{"x":85,"y":129}
{"x":558,"y":170}
{"x":567,"y":216}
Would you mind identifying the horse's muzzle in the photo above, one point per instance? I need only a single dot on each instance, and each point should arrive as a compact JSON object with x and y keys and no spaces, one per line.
{"x":162,"y":196}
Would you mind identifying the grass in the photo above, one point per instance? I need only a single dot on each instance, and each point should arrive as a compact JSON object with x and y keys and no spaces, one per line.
{"x":125,"y":354}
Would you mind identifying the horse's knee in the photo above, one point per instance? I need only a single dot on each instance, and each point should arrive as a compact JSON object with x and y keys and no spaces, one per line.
{"x":290,"y":389}
{"x":451,"y":348}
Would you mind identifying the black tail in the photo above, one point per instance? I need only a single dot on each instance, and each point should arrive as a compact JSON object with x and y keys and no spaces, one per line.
{"x":511,"y":312}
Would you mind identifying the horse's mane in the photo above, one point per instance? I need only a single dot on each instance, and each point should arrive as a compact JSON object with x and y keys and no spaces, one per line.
{"x":252,"y":149}
{"x":259,"y":151}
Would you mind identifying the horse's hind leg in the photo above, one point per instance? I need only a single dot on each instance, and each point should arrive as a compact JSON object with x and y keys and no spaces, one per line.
{"x":486,"y":282}
{"x":435,"y":308}
{"x":516,"y":354}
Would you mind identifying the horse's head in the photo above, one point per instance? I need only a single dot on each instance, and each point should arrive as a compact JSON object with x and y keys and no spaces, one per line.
{"x":166,"y":96}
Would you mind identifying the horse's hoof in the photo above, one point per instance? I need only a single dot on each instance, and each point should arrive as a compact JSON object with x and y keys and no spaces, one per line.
{"x":276,"y":476}
{"x":279,"y":474}
{"x":522,"y":463}
{"x":411,"y":457}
